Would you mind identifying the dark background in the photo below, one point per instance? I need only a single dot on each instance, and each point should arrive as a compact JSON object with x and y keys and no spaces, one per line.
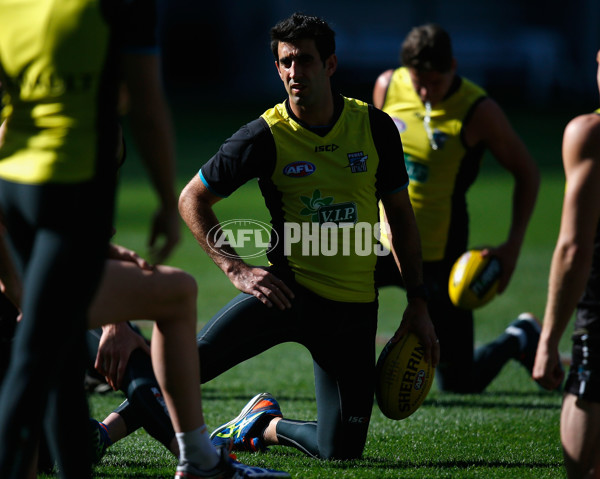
{"x":530,"y":54}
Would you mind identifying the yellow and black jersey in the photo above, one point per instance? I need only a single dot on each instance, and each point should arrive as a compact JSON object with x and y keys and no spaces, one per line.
{"x":59,"y":72}
{"x":440,"y":166}
{"x":327,"y":182}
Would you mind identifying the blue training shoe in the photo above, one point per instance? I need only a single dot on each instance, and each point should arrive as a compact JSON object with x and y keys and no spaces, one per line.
{"x":238,"y":435}
{"x":100,"y":440}
{"x":227,"y":468}
{"x":526,"y":328}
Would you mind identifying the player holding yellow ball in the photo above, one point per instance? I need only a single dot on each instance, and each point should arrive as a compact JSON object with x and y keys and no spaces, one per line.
{"x":446,"y":123}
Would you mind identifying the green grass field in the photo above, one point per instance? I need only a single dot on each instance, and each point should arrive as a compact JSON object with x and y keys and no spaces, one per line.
{"x":510,"y":431}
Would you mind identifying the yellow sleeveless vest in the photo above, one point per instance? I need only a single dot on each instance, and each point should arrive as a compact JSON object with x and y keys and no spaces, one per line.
{"x":323,"y":181}
{"x":433,"y":173}
{"x":50,"y":83}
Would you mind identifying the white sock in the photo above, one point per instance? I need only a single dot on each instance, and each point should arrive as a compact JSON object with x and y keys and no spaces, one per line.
{"x":195,"y":448}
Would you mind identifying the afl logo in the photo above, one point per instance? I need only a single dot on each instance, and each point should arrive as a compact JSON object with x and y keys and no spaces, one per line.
{"x":299,"y":169}
{"x":399,"y":124}
{"x":420,"y":379}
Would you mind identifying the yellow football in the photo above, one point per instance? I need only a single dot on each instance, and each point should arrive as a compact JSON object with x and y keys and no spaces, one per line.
{"x":474,"y":280}
{"x":403,"y":377}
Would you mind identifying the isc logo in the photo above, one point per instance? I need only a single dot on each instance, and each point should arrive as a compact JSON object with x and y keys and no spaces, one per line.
{"x":331,"y":147}
{"x":299,"y":169}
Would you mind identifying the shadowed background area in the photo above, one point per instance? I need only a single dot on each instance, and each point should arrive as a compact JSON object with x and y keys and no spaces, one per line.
{"x":526,"y":53}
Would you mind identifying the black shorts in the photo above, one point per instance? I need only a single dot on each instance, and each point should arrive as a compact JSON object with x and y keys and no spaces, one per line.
{"x":583,"y":379}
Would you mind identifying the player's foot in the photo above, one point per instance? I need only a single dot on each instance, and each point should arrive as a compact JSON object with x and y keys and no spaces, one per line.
{"x":100,"y":440}
{"x":244,"y":433}
{"x":526,"y":328}
{"x":227,"y":468}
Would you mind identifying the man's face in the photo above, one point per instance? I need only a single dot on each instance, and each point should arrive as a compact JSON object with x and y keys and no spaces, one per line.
{"x":305,"y":77}
{"x":431,"y":86}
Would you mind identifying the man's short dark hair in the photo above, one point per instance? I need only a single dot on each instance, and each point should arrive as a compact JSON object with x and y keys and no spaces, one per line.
{"x":300,"y":27}
{"x":427,"y":48}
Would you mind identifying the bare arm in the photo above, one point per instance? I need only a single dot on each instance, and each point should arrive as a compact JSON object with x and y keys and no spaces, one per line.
{"x":153,"y":132}
{"x":490,"y":126}
{"x":573,"y":253}
{"x":2,"y":132}
{"x":196,"y":208}
{"x":121,"y":253}
{"x":117,"y":343}
{"x":406,"y":247}
{"x":380,"y":89}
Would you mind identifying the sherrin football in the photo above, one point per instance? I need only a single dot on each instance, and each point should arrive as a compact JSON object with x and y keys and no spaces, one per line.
{"x":474,"y":280}
{"x":403,"y":377}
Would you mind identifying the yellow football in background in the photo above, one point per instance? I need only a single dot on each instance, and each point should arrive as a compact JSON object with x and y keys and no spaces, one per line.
{"x":474,"y":280}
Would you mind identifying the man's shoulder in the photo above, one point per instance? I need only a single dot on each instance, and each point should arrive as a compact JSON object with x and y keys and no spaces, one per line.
{"x":586,"y":120}
{"x":355,"y":104}
{"x":274,"y":115}
{"x":252,"y":130}
{"x":585,"y":128}
{"x":468,"y":92}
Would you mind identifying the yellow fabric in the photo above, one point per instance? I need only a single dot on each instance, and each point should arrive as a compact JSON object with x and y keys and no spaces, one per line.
{"x":433,"y":173}
{"x":336,"y":190}
{"x":50,"y":71}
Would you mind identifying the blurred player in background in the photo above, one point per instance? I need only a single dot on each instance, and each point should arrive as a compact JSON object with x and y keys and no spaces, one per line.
{"x":56,"y":196}
{"x":446,"y":123}
{"x":58,"y":167}
{"x":575,"y":283}
{"x":327,"y":303}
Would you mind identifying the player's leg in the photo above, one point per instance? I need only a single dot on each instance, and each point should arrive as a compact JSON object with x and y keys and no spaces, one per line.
{"x":454,"y":328}
{"x":341,"y":337}
{"x":580,"y":416}
{"x":242,"y":329}
{"x":519,"y":341}
{"x":167,"y":296}
{"x":128,"y":292}
{"x":8,"y":322}
{"x":47,"y":360}
{"x":145,"y":406}
{"x":580,"y":436}
{"x":240,"y":320}
{"x":47,"y":364}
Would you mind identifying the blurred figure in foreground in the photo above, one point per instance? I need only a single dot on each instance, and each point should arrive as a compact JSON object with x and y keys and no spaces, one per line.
{"x":575,"y":284}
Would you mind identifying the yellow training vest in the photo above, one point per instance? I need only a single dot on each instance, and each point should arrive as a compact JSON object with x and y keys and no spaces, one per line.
{"x":52,"y":54}
{"x":433,"y":173}
{"x":329,"y":180}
